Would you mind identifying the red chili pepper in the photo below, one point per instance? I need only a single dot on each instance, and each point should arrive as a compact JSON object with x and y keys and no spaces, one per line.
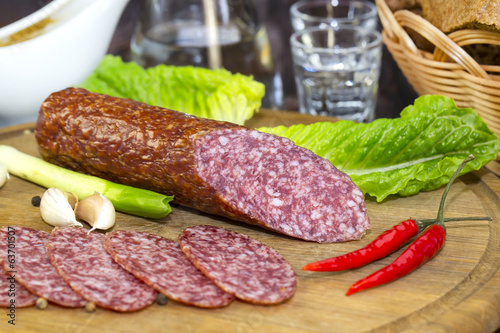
{"x":385,"y":244}
{"x":423,"y":249}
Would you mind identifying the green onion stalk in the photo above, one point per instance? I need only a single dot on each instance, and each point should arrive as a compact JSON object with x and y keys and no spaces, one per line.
{"x":126,"y":199}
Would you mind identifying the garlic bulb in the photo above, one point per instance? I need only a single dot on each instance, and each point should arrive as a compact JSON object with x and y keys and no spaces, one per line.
{"x":97,"y":211}
{"x":4,"y":174}
{"x":56,"y":208}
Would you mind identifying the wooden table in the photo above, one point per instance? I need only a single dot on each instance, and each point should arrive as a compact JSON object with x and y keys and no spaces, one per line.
{"x":458,"y":291}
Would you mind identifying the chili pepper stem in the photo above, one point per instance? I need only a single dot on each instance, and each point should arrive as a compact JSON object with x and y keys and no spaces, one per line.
{"x":459,"y":219}
{"x":440,"y":217}
{"x":422,"y":224}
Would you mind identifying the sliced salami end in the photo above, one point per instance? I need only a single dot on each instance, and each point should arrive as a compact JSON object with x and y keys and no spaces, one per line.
{"x":284,"y":187}
{"x":161,"y":264}
{"x":240,"y":265}
{"x":34,"y":269}
{"x":80,"y":258}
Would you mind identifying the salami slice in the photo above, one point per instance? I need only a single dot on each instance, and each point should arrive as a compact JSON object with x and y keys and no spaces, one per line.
{"x":216,"y":167}
{"x":34,"y":269}
{"x":162,"y":265}
{"x":240,"y":265}
{"x":83,"y":262}
{"x":13,"y":294}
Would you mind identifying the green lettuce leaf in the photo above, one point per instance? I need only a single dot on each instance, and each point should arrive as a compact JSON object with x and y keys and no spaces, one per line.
{"x":417,"y":152}
{"x":215,"y":94}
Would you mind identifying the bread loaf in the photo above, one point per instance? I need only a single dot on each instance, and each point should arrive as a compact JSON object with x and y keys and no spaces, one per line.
{"x":451,"y":15}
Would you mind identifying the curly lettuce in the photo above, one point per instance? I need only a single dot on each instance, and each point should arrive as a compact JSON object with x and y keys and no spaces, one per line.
{"x":214,"y":94}
{"x":417,"y":152}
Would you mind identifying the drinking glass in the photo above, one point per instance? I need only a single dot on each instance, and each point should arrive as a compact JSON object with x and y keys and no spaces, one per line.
{"x":332,"y":13}
{"x":211,"y":34}
{"x":337,"y":71}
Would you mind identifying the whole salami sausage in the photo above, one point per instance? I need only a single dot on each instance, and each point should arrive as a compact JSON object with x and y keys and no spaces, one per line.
{"x":163,"y":266}
{"x":216,"y":167}
{"x":83,"y":262}
{"x":240,"y":265}
{"x":34,"y":269}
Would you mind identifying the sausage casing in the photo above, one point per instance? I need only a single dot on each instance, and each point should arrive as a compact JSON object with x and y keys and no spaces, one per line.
{"x":216,"y":167}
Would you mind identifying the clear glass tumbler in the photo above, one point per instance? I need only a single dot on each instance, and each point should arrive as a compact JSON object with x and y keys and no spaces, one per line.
{"x":333,"y":13}
{"x":337,"y":71}
{"x":211,"y":34}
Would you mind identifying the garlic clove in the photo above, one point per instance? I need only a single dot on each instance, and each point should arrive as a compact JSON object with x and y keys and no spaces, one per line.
{"x":56,"y":210}
{"x":72,"y":199}
{"x":4,"y":175}
{"x":96,"y":210}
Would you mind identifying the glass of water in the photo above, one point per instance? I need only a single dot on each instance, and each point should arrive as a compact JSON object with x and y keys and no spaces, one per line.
{"x":211,"y":34}
{"x":332,"y":13}
{"x":337,"y":71}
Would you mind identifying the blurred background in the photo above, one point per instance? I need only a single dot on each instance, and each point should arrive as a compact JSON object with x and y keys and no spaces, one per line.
{"x":394,"y":93}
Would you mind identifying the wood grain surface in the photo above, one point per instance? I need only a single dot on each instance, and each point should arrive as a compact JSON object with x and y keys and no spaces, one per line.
{"x":458,"y":291}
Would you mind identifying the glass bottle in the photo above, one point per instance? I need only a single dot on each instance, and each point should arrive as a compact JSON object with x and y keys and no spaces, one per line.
{"x":211,"y":34}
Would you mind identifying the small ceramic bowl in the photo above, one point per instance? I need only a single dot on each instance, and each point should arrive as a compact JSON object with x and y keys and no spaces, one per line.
{"x":68,"y":49}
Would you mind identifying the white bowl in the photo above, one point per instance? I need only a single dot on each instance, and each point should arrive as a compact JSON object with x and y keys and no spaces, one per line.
{"x":69,"y":49}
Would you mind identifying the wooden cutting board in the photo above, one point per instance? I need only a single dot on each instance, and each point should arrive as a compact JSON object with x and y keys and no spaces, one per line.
{"x":458,"y":291}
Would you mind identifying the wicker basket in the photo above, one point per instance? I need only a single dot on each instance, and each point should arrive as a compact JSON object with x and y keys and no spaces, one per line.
{"x":449,"y":70}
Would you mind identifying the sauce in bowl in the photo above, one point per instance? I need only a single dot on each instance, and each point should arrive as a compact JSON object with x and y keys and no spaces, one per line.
{"x":27,"y":33}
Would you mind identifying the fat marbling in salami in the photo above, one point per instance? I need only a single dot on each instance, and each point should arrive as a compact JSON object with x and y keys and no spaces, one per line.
{"x":34,"y":269}
{"x":216,"y":167}
{"x":240,"y":265}
{"x":80,"y":258}
{"x":162,"y":265}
